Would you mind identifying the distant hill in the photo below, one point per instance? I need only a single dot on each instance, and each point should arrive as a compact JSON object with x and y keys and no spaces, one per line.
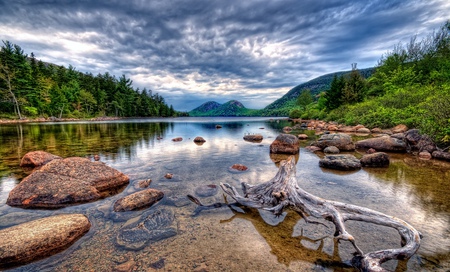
{"x":212,"y":108}
{"x":316,"y":85}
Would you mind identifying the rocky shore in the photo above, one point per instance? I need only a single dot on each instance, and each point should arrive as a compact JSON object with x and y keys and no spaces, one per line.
{"x":397,"y":139}
{"x":55,"y":119}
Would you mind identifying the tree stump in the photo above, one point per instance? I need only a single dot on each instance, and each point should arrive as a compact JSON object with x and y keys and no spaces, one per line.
{"x":283,"y":192}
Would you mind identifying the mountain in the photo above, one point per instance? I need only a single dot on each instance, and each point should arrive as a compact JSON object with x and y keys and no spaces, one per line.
{"x":316,"y":86}
{"x":230,"y":108}
{"x":205,"y":108}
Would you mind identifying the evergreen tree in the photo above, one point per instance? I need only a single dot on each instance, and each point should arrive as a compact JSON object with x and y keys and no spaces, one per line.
{"x":333,"y":95}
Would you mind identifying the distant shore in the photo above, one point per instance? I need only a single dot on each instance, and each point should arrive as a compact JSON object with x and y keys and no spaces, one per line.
{"x":53,"y":119}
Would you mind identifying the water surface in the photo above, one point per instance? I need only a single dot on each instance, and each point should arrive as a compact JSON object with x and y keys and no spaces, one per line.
{"x":224,"y":239}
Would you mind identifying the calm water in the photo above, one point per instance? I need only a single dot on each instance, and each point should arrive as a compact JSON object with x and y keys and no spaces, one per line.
{"x":415,"y":190}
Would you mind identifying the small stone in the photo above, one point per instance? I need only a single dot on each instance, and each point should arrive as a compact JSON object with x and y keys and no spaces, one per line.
{"x":168,"y":176}
{"x":256,"y":138}
{"x":177,"y":139}
{"x":239,"y":167}
{"x":302,"y":136}
{"x":199,"y":139}
{"x":218,"y":126}
{"x":96,"y":157}
{"x":138,"y":200}
{"x":125,"y":267}
{"x":144,"y":183}
{"x":287,"y":129}
{"x":331,"y":150}
{"x":425,"y":155}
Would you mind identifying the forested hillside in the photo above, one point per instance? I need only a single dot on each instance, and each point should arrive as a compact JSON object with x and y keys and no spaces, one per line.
{"x":31,"y":88}
{"x":230,"y":108}
{"x":283,"y":105}
{"x":410,"y":85}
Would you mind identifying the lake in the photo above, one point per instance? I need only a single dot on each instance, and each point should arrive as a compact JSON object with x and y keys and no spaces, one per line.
{"x":226,"y":239}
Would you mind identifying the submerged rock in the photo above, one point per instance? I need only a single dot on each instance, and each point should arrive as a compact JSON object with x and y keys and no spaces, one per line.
{"x":285,"y":144}
{"x":207,"y":190}
{"x":64,"y":182}
{"x":151,"y":226}
{"x":340,"y":162}
{"x":40,"y":238}
{"x":138,"y":200}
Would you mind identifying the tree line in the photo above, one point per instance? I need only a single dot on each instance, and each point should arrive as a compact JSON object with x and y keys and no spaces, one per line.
{"x":32,"y":88}
{"x":410,"y":85}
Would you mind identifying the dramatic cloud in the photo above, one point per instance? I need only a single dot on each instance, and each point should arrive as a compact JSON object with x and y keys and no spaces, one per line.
{"x":194,"y":51}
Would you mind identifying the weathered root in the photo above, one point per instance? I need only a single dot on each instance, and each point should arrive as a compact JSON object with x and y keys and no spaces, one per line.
{"x":283,"y":192}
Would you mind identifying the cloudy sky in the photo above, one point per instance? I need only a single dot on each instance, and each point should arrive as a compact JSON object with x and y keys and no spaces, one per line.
{"x":193,"y":51}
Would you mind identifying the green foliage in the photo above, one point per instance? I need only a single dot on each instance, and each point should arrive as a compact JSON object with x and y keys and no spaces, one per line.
{"x":410,"y":86}
{"x":230,"y":108}
{"x":305,"y":98}
{"x":333,"y":96}
{"x":42,"y":89}
{"x":295,"y":114}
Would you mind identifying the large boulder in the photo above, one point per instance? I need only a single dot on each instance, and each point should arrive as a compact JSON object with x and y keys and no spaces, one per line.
{"x":377,"y":159}
{"x":340,"y":140}
{"x":40,"y":238}
{"x":345,"y":162}
{"x":64,"y":182}
{"x":285,"y":144}
{"x":384,"y":143}
{"x":37,"y":158}
{"x":419,"y":142}
{"x":138,"y":200}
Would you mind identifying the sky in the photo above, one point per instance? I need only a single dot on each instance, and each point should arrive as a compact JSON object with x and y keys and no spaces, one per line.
{"x":194,"y":51}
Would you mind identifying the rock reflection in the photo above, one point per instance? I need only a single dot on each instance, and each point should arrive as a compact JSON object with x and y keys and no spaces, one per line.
{"x":318,"y":247}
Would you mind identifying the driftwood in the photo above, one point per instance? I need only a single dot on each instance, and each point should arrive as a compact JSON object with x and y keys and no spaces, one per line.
{"x":283,"y":192}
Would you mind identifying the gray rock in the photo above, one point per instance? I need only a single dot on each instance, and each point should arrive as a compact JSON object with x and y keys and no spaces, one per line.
{"x":331,"y":150}
{"x":384,"y":143}
{"x":339,"y":140}
{"x":207,"y":190}
{"x":377,"y":159}
{"x":441,"y":155}
{"x":151,"y":226}
{"x":340,"y":162}
{"x":285,"y":144}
